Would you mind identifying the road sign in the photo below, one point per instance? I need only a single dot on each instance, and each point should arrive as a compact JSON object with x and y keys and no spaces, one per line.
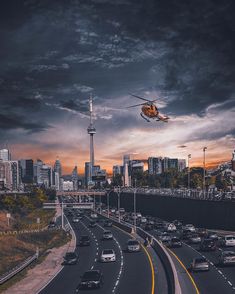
{"x":8,"y":215}
{"x":38,"y":220}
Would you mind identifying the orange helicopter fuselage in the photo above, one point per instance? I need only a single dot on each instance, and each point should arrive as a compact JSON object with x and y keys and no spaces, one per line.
{"x":150,"y":110}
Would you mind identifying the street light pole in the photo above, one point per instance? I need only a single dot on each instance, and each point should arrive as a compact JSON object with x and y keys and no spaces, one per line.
{"x":108,"y":201}
{"x":100,"y":202}
{"x":62,"y":215}
{"x":204,"y":170}
{"x":135,"y":207}
{"x":189,"y":156}
{"x":119,"y":216}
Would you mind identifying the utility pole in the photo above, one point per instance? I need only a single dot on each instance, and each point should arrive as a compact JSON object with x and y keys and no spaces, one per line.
{"x":189,"y":156}
{"x":119,"y":216}
{"x":135,"y":207}
{"x":204,"y":171}
{"x":62,"y":215}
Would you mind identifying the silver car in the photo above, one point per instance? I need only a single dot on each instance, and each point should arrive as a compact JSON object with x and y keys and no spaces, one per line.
{"x":133,"y":246}
{"x":199,"y":264}
{"x":227,"y":258}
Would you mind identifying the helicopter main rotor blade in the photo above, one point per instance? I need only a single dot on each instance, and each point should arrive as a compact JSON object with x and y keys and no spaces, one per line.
{"x":135,"y":105}
{"x":140,"y":97}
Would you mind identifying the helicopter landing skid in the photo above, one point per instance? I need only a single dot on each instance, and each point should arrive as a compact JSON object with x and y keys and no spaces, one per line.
{"x":144,"y":117}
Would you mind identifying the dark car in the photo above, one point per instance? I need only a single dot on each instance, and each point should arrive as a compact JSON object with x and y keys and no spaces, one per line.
{"x":208,"y":245}
{"x":175,"y":242}
{"x":84,"y":241}
{"x":51,"y":225}
{"x":148,"y":227}
{"x":90,"y":280}
{"x":108,"y":223}
{"x":92,"y":224}
{"x":70,"y":258}
{"x":202,"y":232}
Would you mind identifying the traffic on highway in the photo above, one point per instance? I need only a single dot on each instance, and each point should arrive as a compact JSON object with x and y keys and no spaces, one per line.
{"x":106,"y":259}
{"x":207,"y":256}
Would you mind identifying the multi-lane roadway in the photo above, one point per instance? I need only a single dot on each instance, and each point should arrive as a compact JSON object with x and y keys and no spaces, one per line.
{"x":131,"y":273}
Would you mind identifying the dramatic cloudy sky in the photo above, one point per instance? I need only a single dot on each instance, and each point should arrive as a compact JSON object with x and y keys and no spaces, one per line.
{"x":53,"y":54}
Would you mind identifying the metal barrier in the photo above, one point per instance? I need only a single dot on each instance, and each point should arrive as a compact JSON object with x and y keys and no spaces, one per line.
{"x":19,"y":268}
{"x":161,"y":251}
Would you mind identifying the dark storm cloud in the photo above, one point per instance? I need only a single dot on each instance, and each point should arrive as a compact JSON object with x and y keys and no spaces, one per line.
{"x":9,"y":122}
{"x":64,"y":50}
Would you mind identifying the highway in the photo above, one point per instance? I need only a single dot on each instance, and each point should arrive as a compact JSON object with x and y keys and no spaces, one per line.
{"x":131,"y":273}
{"x":217,"y":280}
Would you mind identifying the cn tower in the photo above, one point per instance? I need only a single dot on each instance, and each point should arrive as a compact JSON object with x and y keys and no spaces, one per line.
{"x":91,"y":131}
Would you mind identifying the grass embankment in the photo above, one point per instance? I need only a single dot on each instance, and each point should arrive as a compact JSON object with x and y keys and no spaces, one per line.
{"x":24,"y":212}
{"x":15,"y":249}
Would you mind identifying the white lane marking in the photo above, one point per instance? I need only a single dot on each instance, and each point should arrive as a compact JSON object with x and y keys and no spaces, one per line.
{"x":121,"y":264}
{"x":97,"y":247}
{"x":219,"y":271}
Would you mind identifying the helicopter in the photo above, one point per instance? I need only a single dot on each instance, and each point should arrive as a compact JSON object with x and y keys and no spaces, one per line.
{"x":149,"y":110}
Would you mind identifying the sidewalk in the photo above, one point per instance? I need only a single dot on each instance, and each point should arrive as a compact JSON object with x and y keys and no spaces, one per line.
{"x":43,"y":273}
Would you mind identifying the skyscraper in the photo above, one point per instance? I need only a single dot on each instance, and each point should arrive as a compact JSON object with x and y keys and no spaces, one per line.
{"x":155,"y":165}
{"x":5,"y":154}
{"x":26,"y":170}
{"x":58,"y":167}
{"x":91,"y":131}
{"x":75,"y":178}
{"x":233,"y":160}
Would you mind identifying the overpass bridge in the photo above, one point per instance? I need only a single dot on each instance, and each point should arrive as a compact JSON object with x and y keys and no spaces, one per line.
{"x":81,"y":193}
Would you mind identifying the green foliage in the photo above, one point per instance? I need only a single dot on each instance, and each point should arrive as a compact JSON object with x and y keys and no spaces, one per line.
{"x":117,"y":180}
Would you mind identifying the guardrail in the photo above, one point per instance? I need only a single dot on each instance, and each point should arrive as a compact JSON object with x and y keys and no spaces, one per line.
{"x":7,"y":233}
{"x":171,"y":273}
{"x":19,"y":268}
{"x":170,"y":269}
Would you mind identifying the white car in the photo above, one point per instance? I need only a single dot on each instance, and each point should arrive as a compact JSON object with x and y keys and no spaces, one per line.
{"x":171,"y":227}
{"x":108,"y":255}
{"x":190,"y":227}
{"x":143,"y":220}
{"x":133,"y":245}
{"x":228,"y":240}
{"x":75,"y":220}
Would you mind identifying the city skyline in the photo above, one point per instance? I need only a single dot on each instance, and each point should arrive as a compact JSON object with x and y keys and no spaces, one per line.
{"x":66,"y":52}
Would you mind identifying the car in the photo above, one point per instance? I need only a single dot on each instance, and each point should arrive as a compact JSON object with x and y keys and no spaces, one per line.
{"x":208,"y":245}
{"x":213,"y":235}
{"x":190,"y":227}
{"x":202,"y":232}
{"x":228,"y":240}
{"x":227,"y":258}
{"x":75,"y":219}
{"x":148,"y":227}
{"x":108,"y":223}
{"x":70,"y":258}
{"x":84,"y":240}
{"x":107,"y":235}
{"x":94,"y":215}
{"x":194,"y":239}
{"x":165,"y":238}
{"x":143,"y":220}
{"x":175,"y":242}
{"x":171,"y":227}
{"x":90,"y":280}
{"x":92,"y":224}
{"x":108,"y":255}
{"x":51,"y":225}
{"x":199,"y":264}
{"x":133,"y":245}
